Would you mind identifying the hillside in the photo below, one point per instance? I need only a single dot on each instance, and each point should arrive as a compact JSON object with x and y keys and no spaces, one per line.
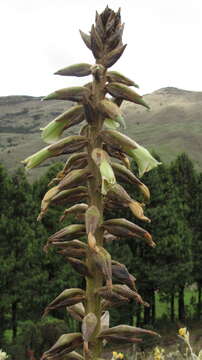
{"x":173,"y":125}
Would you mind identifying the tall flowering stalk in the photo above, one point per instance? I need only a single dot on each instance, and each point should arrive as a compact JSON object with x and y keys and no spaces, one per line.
{"x":88,"y":186}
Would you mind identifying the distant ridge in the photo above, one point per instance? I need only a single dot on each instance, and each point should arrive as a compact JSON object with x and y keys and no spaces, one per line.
{"x":173,"y":125}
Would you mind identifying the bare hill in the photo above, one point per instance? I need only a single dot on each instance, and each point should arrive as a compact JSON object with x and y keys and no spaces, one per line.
{"x":173,"y":125}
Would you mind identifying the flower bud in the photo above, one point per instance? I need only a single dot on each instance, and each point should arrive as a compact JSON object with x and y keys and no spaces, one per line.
{"x":126,"y":330}
{"x":68,"y":145}
{"x":108,"y":178}
{"x":75,"y":161}
{"x":79,"y":266}
{"x":96,"y":43}
{"x":118,"y":339}
{"x":54,"y":129}
{"x":114,"y":76}
{"x":66,"y":298}
{"x":77,"y":311}
{"x":74,"y":93}
{"x":65,"y":344}
{"x":102,"y":261}
{"x":69,"y":196}
{"x":92,"y":219}
{"x":89,"y":324}
{"x":98,"y":155}
{"x":75,"y":209}
{"x":73,"y":355}
{"x":46,"y":201}
{"x":71,"y":252}
{"x":120,"y":272}
{"x":107,"y":304}
{"x":91,"y":241}
{"x":116,"y":38}
{"x":74,"y":178}
{"x":64,"y":146}
{"x":122,"y":91}
{"x":99,"y":25}
{"x":117,"y":193}
{"x":118,"y":140}
{"x":122,"y":227}
{"x":37,"y":158}
{"x":73,"y":248}
{"x":67,"y":233}
{"x":106,"y":293}
{"x":137,"y":210}
{"x":104,"y":323}
{"x":111,"y":124}
{"x":145,"y":191}
{"x":125,"y":174}
{"x":113,"y":56}
{"x":86,"y":39}
{"x":125,"y":291}
{"x":81,"y":69}
{"x":111,"y":110}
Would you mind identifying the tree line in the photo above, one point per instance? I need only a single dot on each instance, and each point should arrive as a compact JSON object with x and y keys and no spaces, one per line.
{"x":31,"y":278}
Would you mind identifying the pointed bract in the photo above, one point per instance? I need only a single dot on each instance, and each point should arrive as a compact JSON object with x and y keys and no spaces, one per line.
{"x":123,"y":91}
{"x":115,"y":76}
{"x":75,"y":93}
{"x":92,"y":219}
{"x":81,"y":69}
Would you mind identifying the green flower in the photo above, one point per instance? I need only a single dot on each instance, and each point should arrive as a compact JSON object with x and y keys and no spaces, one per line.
{"x":111,"y":124}
{"x":107,"y":175}
{"x":52,"y":132}
{"x":144,"y":159}
{"x":37,"y":158}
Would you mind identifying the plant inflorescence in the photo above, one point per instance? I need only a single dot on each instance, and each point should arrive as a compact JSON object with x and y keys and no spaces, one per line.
{"x":87,"y":185}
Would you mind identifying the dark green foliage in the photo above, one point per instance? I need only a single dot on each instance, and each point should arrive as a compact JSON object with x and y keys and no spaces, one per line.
{"x":30,"y":279}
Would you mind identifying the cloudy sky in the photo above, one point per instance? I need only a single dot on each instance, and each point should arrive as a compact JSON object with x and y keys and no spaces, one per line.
{"x":39,"y":37}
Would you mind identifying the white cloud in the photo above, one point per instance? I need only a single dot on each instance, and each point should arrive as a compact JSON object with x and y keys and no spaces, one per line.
{"x":41,"y":36}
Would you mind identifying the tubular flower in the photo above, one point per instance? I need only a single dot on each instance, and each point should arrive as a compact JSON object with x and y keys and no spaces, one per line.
{"x":37,"y":158}
{"x":145,"y":161}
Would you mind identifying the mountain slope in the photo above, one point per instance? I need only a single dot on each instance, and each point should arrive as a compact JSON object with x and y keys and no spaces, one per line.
{"x":173,"y":125}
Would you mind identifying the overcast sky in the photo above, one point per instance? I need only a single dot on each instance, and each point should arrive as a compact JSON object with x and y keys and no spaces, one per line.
{"x":39,"y":37}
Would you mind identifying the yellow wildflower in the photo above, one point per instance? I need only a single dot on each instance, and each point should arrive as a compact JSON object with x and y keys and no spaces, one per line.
{"x":158,"y":353}
{"x":120,"y":356}
{"x":117,"y":356}
{"x":114,"y":354}
{"x":182,"y":331}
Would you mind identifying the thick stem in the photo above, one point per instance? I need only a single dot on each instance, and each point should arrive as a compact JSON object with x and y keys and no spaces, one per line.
{"x":93,"y":301}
